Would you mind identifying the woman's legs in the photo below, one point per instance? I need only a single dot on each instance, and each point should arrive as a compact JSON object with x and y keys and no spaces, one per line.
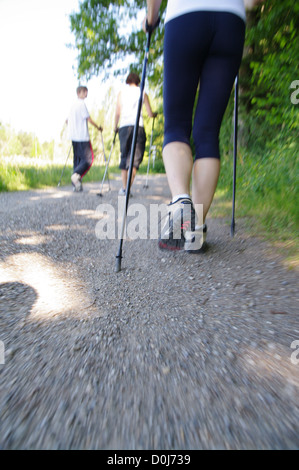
{"x":125,"y":138}
{"x":204,"y":183}
{"x":217,"y":78}
{"x":181,"y":76}
{"x":124,"y":177}
{"x":208,"y":47}
{"x":178,"y":162}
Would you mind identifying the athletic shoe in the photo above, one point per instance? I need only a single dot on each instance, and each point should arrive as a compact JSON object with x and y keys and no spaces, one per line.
{"x":76,"y":180}
{"x":79,"y":188}
{"x":181,"y":218}
{"x":195,"y":241}
{"x":123,"y":192}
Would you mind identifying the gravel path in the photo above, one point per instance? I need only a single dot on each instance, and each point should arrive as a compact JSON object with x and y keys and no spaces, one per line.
{"x":176,"y":351}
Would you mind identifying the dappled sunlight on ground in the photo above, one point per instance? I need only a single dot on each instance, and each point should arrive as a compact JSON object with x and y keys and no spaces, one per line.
{"x":59,"y":195}
{"x":55,"y":227}
{"x":48,"y":194}
{"x":32,"y":240}
{"x":273,"y":363}
{"x":290,"y":251}
{"x":90,"y":214}
{"x":57,"y":291}
{"x":221,"y":206}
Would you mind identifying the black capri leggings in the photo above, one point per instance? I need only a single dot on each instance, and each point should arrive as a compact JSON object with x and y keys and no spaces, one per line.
{"x":125,"y":138}
{"x":200,"y":47}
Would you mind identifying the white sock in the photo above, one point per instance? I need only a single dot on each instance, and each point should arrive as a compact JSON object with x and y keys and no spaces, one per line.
{"x":176,"y":198}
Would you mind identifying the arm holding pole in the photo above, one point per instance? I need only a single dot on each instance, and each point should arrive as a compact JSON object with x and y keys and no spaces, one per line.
{"x":250,"y":4}
{"x":91,"y":121}
{"x":153,"y":7}
{"x":117,"y":112}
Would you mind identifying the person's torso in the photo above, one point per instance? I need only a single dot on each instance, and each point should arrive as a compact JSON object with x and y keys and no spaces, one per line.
{"x":177,"y":8}
{"x":77,"y":122}
{"x":129,"y":105}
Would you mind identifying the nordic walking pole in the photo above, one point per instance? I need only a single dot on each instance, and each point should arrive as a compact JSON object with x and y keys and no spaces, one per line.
{"x":134,"y":140}
{"x":107,"y":164}
{"x":105,"y":157}
{"x":232,"y":229}
{"x":64,"y":166}
{"x":149,"y":154}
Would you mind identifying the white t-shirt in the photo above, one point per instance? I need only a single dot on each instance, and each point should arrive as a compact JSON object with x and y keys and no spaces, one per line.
{"x":177,"y":8}
{"x":77,"y":122}
{"x":129,"y":98}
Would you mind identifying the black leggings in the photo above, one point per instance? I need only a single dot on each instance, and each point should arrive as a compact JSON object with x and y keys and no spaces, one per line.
{"x":125,"y":138}
{"x":200,"y":47}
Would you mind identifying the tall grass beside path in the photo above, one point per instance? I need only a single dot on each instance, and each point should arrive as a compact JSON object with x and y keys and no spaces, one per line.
{"x":21,"y":173}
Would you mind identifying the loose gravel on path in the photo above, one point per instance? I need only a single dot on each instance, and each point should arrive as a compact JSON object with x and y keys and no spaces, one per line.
{"x":176,"y":351}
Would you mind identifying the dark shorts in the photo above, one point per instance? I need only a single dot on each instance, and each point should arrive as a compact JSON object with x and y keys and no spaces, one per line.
{"x":83,"y":157}
{"x":125,"y":138}
{"x":200,"y":48}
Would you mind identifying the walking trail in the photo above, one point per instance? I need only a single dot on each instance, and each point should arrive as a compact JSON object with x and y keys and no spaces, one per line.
{"x":176,"y":351}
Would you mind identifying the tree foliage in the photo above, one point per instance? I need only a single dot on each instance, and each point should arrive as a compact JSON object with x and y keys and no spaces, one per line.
{"x":270,"y":66}
{"x":108,"y":33}
{"x":23,"y":143}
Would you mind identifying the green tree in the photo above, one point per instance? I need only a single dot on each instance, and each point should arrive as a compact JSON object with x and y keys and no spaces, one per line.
{"x":26,"y":141}
{"x":4,"y":137}
{"x":14,"y":146}
{"x":36,"y":149}
{"x":106,"y":33}
{"x":269,"y":68}
{"x":47,"y":149}
{"x":108,"y":36}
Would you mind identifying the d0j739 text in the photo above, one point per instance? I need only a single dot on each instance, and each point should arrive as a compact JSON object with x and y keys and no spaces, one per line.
{"x":170,"y":459}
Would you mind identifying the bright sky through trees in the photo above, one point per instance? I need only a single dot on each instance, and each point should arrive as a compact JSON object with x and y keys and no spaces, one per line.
{"x":38,"y":75}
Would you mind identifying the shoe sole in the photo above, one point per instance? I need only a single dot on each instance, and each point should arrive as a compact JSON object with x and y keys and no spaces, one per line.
{"x":171,"y":247}
{"x":166,"y":247}
{"x":175,"y":244}
{"x":201,"y":250}
{"x":181,"y":244}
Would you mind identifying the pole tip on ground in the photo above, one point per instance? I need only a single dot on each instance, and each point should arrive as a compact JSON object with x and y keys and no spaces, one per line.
{"x":118,"y":264}
{"x":100,"y":194}
{"x":232,"y":230}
